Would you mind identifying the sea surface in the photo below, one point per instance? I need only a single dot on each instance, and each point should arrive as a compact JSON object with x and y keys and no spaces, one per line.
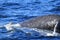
{"x":17,"y":11}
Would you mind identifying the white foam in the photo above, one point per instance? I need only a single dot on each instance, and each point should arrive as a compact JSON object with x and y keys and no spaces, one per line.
{"x":11,"y":26}
{"x":54,"y":31}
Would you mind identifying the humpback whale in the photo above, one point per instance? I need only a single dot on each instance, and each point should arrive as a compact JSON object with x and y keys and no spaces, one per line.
{"x":47,"y":22}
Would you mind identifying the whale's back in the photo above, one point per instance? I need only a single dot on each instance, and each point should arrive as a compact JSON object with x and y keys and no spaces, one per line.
{"x":42,"y":22}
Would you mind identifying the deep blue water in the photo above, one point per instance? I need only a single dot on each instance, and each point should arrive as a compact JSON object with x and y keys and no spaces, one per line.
{"x":17,"y":11}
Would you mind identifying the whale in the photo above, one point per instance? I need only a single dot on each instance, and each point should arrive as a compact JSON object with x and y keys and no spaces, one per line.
{"x":46,"y":22}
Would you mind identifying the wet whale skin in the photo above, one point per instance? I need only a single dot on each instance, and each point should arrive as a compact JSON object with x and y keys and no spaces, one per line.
{"x":43,"y":22}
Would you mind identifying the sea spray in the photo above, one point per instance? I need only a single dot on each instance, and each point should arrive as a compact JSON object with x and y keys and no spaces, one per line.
{"x":54,"y":31}
{"x":11,"y":26}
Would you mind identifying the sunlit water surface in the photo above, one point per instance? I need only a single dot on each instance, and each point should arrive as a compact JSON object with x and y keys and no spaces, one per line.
{"x":18,"y":11}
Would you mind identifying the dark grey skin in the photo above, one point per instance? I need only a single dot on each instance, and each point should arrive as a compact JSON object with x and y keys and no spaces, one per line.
{"x":47,"y":22}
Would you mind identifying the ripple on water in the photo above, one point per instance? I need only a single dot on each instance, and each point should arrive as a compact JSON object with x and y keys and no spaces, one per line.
{"x":11,"y":12}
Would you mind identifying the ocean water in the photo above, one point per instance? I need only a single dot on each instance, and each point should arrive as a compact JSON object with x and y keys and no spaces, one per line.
{"x":17,"y":11}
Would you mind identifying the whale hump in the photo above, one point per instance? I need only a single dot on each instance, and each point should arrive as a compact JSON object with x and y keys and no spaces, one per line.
{"x":42,"y":22}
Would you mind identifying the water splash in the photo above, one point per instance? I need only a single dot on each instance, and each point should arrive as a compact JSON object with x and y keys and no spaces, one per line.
{"x":11,"y":26}
{"x":54,"y":31}
{"x":55,"y":28}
